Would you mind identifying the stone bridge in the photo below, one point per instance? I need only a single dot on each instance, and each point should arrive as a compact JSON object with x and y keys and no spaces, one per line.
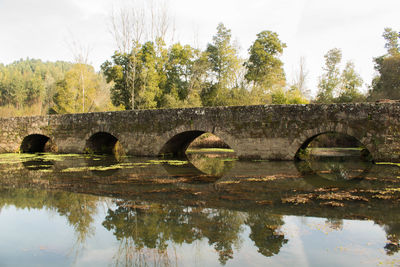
{"x":273,"y":132}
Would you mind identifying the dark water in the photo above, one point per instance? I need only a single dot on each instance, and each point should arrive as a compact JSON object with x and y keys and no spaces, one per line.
{"x":76,"y":210}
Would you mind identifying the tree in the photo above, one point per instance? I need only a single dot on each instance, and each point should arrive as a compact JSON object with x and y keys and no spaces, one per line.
{"x":386,"y":84}
{"x":27,"y":86}
{"x":80,"y":55}
{"x":129,"y":26}
{"x":145,"y":85}
{"x":336,"y":86}
{"x":264,"y":67}
{"x":178,"y":73}
{"x":35,"y":87}
{"x":300,"y":81}
{"x":70,"y":95}
{"x":224,"y":62}
{"x":198,"y":79}
{"x":330,"y":80}
{"x":117,"y":71}
{"x":392,"y":41}
{"x":148,"y":79}
{"x":350,"y":84}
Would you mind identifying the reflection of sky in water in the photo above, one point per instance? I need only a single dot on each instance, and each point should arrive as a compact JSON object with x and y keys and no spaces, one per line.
{"x":357,"y":243}
{"x":43,"y":237}
{"x":32,"y":237}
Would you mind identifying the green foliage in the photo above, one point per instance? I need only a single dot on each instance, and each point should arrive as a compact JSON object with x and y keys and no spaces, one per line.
{"x":336,"y":86}
{"x":224,"y":64}
{"x":330,"y":80}
{"x":350,"y":82}
{"x":181,"y":76}
{"x":29,"y":83}
{"x":163,"y":77}
{"x":179,"y":66}
{"x":78,"y":90}
{"x":291,"y":96}
{"x":148,"y":79}
{"x":153,"y":75}
{"x":264,"y":68}
{"x":295,"y":96}
{"x":117,"y":71}
{"x":279,"y":97}
{"x":392,"y":41}
{"x":387,"y":82}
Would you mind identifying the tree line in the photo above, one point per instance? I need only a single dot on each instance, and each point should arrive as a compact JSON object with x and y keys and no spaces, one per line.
{"x":341,"y":86}
{"x":152,"y":75}
{"x":34,"y":87}
{"x":149,"y":74}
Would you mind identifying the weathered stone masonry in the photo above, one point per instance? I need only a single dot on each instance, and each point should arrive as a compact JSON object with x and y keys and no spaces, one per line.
{"x":274,"y":132}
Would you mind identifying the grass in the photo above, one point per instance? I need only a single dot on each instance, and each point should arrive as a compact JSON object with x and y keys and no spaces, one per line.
{"x":388,"y":163}
{"x":215,"y":150}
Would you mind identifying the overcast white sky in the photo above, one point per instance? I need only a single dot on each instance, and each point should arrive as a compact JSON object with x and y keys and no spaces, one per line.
{"x":40,"y":28}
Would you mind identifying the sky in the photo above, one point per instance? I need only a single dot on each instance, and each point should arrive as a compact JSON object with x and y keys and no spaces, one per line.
{"x":43,"y":29}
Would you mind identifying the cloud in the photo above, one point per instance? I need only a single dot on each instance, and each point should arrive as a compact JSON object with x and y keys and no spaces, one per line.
{"x":34,"y":28}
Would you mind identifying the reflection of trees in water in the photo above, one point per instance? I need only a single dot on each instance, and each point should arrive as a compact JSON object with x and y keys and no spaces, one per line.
{"x":265,"y":232}
{"x":339,"y":169}
{"x":145,"y":230}
{"x":333,"y":172}
{"x":334,"y":224}
{"x":222,"y":229}
{"x":154,"y":225}
{"x":79,"y":209}
{"x":393,"y":238}
{"x":129,"y":254}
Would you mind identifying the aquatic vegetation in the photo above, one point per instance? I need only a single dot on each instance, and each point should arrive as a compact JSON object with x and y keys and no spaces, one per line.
{"x":210,"y":150}
{"x":160,"y":202}
{"x":298,"y":199}
{"x":388,"y":163}
{"x":341,"y":196}
{"x":170,"y":162}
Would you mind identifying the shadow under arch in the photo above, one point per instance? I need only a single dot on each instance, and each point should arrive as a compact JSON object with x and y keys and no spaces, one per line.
{"x":36,"y":143}
{"x":178,"y":144}
{"x":103,"y":143}
{"x":206,"y":160}
{"x":339,"y":159}
{"x":193,"y":174}
{"x":364,"y":154}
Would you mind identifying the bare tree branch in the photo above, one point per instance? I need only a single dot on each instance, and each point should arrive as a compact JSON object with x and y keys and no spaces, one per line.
{"x":300,"y":80}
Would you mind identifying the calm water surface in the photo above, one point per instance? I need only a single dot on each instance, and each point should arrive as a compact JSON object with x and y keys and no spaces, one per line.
{"x":77,"y":210}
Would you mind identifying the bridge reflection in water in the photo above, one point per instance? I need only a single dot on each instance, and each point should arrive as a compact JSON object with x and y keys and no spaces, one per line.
{"x":159,"y":202}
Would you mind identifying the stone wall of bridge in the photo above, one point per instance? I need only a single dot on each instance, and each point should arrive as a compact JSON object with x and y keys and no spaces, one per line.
{"x":274,"y":132}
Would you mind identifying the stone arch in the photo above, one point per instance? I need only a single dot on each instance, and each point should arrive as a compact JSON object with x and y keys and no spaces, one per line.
{"x":307,"y":139}
{"x":34,"y":143}
{"x":102,"y":143}
{"x":179,"y":140}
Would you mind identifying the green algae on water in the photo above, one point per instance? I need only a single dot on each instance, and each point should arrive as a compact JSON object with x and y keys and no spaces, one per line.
{"x":170,"y":162}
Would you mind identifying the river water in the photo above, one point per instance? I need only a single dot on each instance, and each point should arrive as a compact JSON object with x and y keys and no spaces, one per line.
{"x":207,"y":210}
